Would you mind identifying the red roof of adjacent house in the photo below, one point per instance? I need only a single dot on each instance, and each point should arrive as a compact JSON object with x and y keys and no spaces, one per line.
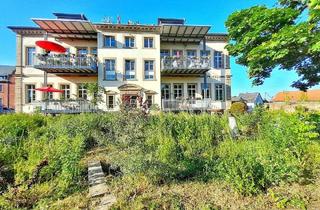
{"x":295,"y":96}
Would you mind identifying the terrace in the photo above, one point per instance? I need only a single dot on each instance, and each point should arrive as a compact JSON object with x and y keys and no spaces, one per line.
{"x":63,"y":107}
{"x":176,"y":105}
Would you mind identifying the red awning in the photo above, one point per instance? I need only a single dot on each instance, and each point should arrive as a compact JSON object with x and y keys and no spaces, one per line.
{"x":51,"y":46}
{"x":49,"y":90}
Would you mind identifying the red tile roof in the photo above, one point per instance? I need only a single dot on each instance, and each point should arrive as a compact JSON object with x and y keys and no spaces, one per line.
{"x":295,"y":96}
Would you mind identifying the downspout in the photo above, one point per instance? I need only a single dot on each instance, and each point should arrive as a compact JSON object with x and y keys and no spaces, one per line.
{"x":205,"y":74}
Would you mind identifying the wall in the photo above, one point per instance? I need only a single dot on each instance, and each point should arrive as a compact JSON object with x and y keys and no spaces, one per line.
{"x":30,"y":75}
{"x":8,"y":88}
{"x":291,"y":107}
{"x":139,"y":54}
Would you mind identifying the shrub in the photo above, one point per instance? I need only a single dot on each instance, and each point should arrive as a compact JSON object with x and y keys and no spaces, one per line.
{"x":238,"y":108}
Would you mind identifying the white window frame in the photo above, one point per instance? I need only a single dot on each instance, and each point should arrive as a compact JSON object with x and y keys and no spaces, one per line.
{"x":67,"y":91}
{"x":219,"y":92}
{"x":165,"y":91}
{"x":131,"y":71}
{"x":192,"y":90}
{"x":150,"y":42}
{"x":149,"y":74}
{"x":131,"y":42}
{"x":30,"y":92}
{"x":178,"y":90}
{"x":82,"y":91}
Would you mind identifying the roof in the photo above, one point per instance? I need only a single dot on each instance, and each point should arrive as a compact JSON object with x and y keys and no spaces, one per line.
{"x":67,"y":28}
{"x":7,"y":70}
{"x":295,"y":96}
{"x":183,"y":33}
{"x":27,"y":30}
{"x":249,"y":97}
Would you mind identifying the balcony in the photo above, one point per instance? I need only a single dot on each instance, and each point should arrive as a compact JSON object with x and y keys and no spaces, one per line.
{"x":185,"y":65}
{"x":65,"y":64}
{"x":176,"y":105}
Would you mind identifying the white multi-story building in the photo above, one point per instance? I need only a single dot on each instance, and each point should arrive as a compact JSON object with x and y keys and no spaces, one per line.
{"x":172,"y":65}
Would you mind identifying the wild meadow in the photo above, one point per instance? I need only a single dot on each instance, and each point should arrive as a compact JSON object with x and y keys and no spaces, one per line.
{"x":167,"y":161}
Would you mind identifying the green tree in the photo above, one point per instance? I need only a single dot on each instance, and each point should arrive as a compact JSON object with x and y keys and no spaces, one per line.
{"x":286,"y":37}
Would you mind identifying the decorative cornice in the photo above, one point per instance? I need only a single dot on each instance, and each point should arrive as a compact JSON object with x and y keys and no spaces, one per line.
{"x":217,"y":37}
{"x":21,"y":30}
{"x":127,"y":28}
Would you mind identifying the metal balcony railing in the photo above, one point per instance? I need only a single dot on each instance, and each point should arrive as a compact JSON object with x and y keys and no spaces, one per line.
{"x":62,"y":61}
{"x":188,"y":63}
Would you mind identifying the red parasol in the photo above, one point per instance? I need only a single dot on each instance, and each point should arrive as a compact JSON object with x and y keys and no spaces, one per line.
{"x":49,"y":90}
{"x":51,"y":46}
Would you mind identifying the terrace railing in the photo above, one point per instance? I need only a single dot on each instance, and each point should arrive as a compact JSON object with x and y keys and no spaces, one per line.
{"x":69,"y":61}
{"x":66,"y":107}
{"x":190,"y":63}
{"x":190,"y":104}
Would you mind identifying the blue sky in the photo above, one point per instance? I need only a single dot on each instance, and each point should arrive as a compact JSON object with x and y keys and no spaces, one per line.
{"x":204,"y":12}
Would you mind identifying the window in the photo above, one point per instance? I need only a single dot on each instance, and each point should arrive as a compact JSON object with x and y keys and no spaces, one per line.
{"x":206,"y":90}
{"x":82,"y":51}
{"x":30,"y":55}
{"x":31,"y":93}
{"x":49,"y":94}
{"x":165,"y":91}
{"x":205,"y":53}
{"x":217,"y":60}
{"x":109,"y":41}
{"x":129,"y":42}
{"x":82,"y":91}
{"x":219,"y":92}
{"x":130,"y":72}
{"x":191,"y":53}
{"x":149,"y":100}
{"x":110,"y":68}
{"x":191,"y":89}
{"x":1,"y":88}
{"x":164,"y":53}
{"x":110,"y":102}
{"x":66,"y":93}
{"x":148,"y":42}
{"x":177,"y":53}
{"x":0,"y":102}
{"x":177,"y":90}
{"x":94,"y":51}
{"x":149,"y":70}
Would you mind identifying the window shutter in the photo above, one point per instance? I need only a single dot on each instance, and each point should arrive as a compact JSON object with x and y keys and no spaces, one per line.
{"x":222,"y":61}
{"x":213,"y":59}
{"x":228,"y":92}
{"x":227,"y":62}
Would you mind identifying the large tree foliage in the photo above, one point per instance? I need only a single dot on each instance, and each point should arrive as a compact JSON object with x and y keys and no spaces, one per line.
{"x":286,"y":36}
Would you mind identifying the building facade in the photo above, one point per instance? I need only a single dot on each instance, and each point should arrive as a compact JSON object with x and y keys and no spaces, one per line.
{"x":7,"y":87}
{"x":170,"y":65}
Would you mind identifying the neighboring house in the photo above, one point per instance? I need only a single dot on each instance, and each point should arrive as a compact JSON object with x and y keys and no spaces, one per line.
{"x":289,"y":100}
{"x":251,"y":99}
{"x":172,"y":65}
{"x":7,"y":87}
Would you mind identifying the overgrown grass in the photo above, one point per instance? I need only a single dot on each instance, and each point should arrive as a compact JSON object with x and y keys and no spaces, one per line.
{"x":273,"y":148}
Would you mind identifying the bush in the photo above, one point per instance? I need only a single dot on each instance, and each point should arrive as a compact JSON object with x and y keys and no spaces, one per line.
{"x":238,"y":108}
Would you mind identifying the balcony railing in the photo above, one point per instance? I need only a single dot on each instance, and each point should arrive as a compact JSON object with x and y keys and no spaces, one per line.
{"x":58,"y":62}
{"x":185,"y":63}
{"x":65,"y":107}
{"x":191,"y":104}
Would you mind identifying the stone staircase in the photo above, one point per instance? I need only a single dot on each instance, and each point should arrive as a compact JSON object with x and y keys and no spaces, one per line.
{"x":100,"y":198}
